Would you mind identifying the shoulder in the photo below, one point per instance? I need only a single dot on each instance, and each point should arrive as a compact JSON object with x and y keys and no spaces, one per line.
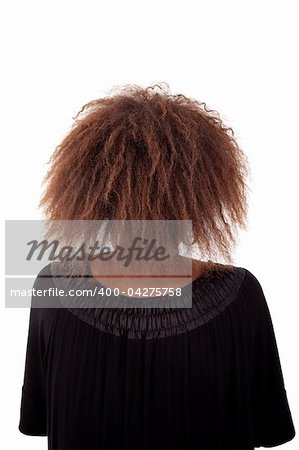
{"x":251,"y":293}
{"x":245,"y":283}
{"x":44,"y":292}
{"x":48,"y":274}
{"x":251,"y":283}
{"x":44,"y":274}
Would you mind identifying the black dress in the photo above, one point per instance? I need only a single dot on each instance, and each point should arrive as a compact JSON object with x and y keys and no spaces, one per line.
{"x":206,"y":377}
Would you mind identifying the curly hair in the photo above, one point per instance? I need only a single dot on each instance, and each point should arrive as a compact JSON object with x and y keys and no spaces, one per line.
{"x":143,"y":153}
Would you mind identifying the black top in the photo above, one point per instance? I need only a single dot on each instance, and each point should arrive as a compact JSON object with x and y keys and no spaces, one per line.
{"x":206,"y":377}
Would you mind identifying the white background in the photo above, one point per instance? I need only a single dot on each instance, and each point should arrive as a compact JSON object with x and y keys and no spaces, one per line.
{"x":241,"y":58}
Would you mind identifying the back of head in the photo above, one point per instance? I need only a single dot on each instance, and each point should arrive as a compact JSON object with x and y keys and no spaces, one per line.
{"x":142,"y":154}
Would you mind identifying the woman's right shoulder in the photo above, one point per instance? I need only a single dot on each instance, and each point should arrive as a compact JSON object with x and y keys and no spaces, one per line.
{"x":252,"y":292}
{"x":251,"y":282}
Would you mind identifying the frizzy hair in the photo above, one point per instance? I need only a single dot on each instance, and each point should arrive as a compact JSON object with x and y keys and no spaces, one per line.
{"x":143,"y":153}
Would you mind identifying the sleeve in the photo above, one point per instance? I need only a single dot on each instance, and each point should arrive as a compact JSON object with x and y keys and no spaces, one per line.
{"x":33,"y":410}
{"x":272,"y":420}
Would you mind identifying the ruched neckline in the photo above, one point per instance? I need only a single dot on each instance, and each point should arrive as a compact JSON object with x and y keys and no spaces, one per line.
{"x":212,"y":292}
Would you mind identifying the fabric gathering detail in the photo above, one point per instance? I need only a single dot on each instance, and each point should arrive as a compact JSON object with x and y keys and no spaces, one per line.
{"x":210,"y":296}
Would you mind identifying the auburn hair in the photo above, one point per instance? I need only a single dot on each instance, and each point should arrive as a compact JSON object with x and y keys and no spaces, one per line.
{"x":144,"y":153}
